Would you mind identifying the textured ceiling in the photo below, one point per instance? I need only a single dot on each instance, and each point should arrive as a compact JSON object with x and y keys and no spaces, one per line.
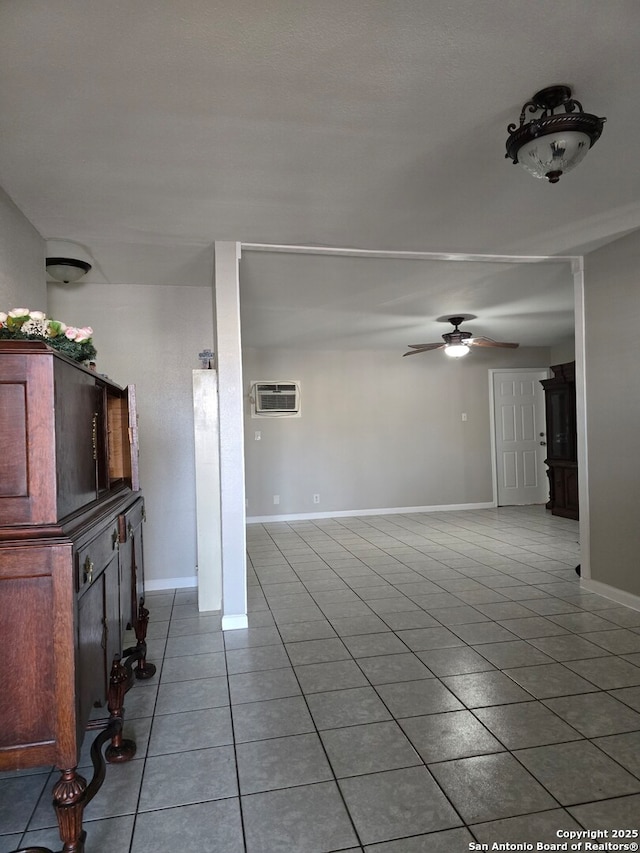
{"x":147,"y":130}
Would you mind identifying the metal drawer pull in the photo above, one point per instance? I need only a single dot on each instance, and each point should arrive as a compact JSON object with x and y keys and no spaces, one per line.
{"x":115,"y":541}
{"x":88,"y":570}
{"x":94,"y":435}
{"x":130,"y":530}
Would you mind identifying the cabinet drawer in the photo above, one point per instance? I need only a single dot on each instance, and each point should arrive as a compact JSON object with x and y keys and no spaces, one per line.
{"x":95,"y":556}
{"x":131,"y":520}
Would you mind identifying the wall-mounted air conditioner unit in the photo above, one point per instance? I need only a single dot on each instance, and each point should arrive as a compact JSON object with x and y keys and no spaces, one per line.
{"x":275,"y":399}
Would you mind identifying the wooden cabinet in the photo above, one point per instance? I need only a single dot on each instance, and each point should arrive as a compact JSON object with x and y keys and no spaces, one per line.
{"x":71,"y":564}
{"x":562,"y":451}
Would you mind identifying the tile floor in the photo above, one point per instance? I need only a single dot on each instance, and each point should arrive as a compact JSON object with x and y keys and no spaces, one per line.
{"x":407,"y":683}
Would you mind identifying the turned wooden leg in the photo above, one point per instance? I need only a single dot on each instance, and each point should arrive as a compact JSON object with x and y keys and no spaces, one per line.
{"x":69,"y":801}
{"x":143,"y":669}
{"x":120,"y":749}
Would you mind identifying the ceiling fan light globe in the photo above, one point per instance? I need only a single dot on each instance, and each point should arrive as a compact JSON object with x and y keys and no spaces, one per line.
{"x":456,"y":350}
{"x":553,"y":154}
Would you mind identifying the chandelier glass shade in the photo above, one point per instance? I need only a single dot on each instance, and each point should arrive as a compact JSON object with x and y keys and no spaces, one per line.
{"x":553,"y":143}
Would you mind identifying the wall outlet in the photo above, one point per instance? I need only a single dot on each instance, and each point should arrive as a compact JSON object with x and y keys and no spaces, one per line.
{"x":464,"y":416}
{"x":276,"y":499}
{"x":316,"y":499}
{"x":257,"y":435}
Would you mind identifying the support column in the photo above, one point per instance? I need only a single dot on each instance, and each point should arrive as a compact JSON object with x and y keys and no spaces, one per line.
{"x":231,"y":426}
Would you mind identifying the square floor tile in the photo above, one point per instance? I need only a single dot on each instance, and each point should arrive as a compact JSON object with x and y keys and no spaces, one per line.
{"x":483,"y":632}
{"x":266,"y":765}
{"x":623,"y":616}
{"x":275,"y":718}
{"x":396,"y":803}
{"x":581,"y":623}
{"x":305,"y":819}
{"x":620,"y":641}
{"x":187,"y":696}
{"x":629,"y":695}
{"x":490,"y":787}
{"x":414,"y":698}
{"x":245,"y":638}
{"x":552,"y":679}
{"x":462,"y":615}
{"x":410,"y":619}
{"x":568,"y":647}
{"x":390,"y":668}
{"x":349,"y":627}
{"x":607,"y":673}
{"x":205,"y":774}
{"x":370,"y":748}
{"x":259,"y":686}
{"x":300,"y":631}
{"x":609,"y":814}
{"x":532,"y":626}
{"x":624,"y":748}
{"x":595,"y":714}
{"x":317,"y":651}
{"x":190,"y":730}
{"x":532,"y":829}
{"x":447,"y":841}
{"x":420,"y":639}
{"x":577,"y":772}
{"x":18,"y":798}
{"x":525,"y":724}
{"x":111,"y":835}
{"x":198,"y":644}
{"x":197,"y":666}
{"x":511,"y":654}
{"x":455,"y":661}
{"x":369,"y":645}
{"x":213,"y":826}
{"x":349,"y":707}
{"x":337,"y":675}
{"x":441,"y":737}
{"x":257,"y":659}
{"x":480,"y":689}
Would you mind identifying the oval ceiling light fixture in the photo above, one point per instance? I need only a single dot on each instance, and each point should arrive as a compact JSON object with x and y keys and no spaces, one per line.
{"x":66,"y":262}
{"x":552,"y":144}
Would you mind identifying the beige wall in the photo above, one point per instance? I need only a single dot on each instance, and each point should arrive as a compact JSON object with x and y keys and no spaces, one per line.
{"x":22,"y":251}
{"x":377,"y":431}
{"x":150,"y":336}
{"x":612,"y":344}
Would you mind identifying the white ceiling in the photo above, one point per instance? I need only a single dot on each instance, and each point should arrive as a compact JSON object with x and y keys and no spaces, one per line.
{"x":146,"y":130}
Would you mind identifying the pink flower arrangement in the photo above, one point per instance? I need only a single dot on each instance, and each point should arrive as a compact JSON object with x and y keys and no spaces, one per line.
{"x":23,"y":324}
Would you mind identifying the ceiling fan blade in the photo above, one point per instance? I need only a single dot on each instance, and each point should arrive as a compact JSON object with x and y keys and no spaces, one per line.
{"x":416,"y":348}
{"x":481,"y":341}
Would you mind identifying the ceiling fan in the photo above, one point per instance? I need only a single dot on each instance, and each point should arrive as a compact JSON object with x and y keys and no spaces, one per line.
{"x":457,"y":343}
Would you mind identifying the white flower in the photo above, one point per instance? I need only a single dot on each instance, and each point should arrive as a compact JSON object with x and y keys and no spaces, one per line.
{"x":37,"y":315}
{"x":19,"y":312}
{"x":3,"y":318}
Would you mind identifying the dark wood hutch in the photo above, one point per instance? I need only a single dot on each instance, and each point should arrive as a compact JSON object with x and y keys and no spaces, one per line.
{"x":71,"y":568}
{"x":562,"y":449}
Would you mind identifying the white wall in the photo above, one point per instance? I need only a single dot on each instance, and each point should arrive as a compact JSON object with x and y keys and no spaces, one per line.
{"x":612,"y":354}
{"x":22,"y":253}
{"x":563,"y":352}
{"x":377,"y":431}
{"x":150,"y":336}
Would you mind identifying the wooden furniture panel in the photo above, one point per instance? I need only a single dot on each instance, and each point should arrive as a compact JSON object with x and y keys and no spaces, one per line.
{"x":71,"y":572}
{"x":562,"y":450}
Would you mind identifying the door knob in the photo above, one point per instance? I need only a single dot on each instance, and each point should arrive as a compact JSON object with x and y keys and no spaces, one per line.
{"x":543,"y":443}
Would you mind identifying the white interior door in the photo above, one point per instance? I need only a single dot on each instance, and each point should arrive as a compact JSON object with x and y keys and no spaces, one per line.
{"x":520,"y":437}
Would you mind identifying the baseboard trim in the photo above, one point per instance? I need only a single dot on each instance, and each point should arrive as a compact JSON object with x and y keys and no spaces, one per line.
{"x":158,"y":584}
{"x":627,"y":599}
{"x":349,"y":513}
{"x":234,"y":621}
